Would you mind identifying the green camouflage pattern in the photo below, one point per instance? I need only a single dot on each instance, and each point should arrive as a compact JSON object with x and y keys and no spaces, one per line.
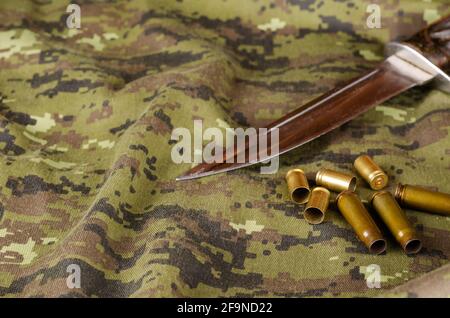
{"x":432,"y":285}
{"x":86,"y":174}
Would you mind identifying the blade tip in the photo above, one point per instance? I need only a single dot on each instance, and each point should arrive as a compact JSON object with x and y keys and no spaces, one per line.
{"x":185,"y":177}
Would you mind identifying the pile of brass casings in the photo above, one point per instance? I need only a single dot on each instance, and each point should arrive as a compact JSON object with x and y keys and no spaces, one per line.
{"x":384,"y":203}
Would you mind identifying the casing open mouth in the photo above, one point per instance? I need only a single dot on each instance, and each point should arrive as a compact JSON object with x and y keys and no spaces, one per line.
{"x":377,"y":246}
{"x":413,"y":246}
{"x":300,"y":195}
{"x":314,"y":215}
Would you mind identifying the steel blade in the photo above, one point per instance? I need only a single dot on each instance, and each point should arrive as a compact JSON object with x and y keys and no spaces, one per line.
{"x":327,"y":112}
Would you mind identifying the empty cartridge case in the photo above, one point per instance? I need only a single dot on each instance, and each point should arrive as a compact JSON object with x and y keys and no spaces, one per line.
{"x":298,"y":185}
{"x":397,"y":222}
{"x":362,"y":223}
{"x":422,"y":199}
{"x":317,"y":205}
{"x":335,"y":181}
{"x":371,"y":172}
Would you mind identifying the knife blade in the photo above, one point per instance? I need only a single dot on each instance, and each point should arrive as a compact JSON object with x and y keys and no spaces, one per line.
{"x":411,"y":63}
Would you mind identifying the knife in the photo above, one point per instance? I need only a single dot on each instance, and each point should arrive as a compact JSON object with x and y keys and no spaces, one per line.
{"x":422,"y":58}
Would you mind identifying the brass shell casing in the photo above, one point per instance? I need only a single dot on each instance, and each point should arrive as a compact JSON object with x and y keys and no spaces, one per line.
{"x":371,"y":172}
{"x":422,"y":199}
{"x":397,"y":222}
{"x":298,"y":185}
{"x":362,"y":223}
{"x":317,"y":205}
{"x":335,"y":181}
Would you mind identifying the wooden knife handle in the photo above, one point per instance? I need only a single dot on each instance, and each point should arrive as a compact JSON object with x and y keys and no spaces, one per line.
{"x":434,"y":42}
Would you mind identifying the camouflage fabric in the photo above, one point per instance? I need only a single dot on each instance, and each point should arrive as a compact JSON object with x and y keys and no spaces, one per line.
{"x":431,"y":285}
{"x":86,"y":174}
